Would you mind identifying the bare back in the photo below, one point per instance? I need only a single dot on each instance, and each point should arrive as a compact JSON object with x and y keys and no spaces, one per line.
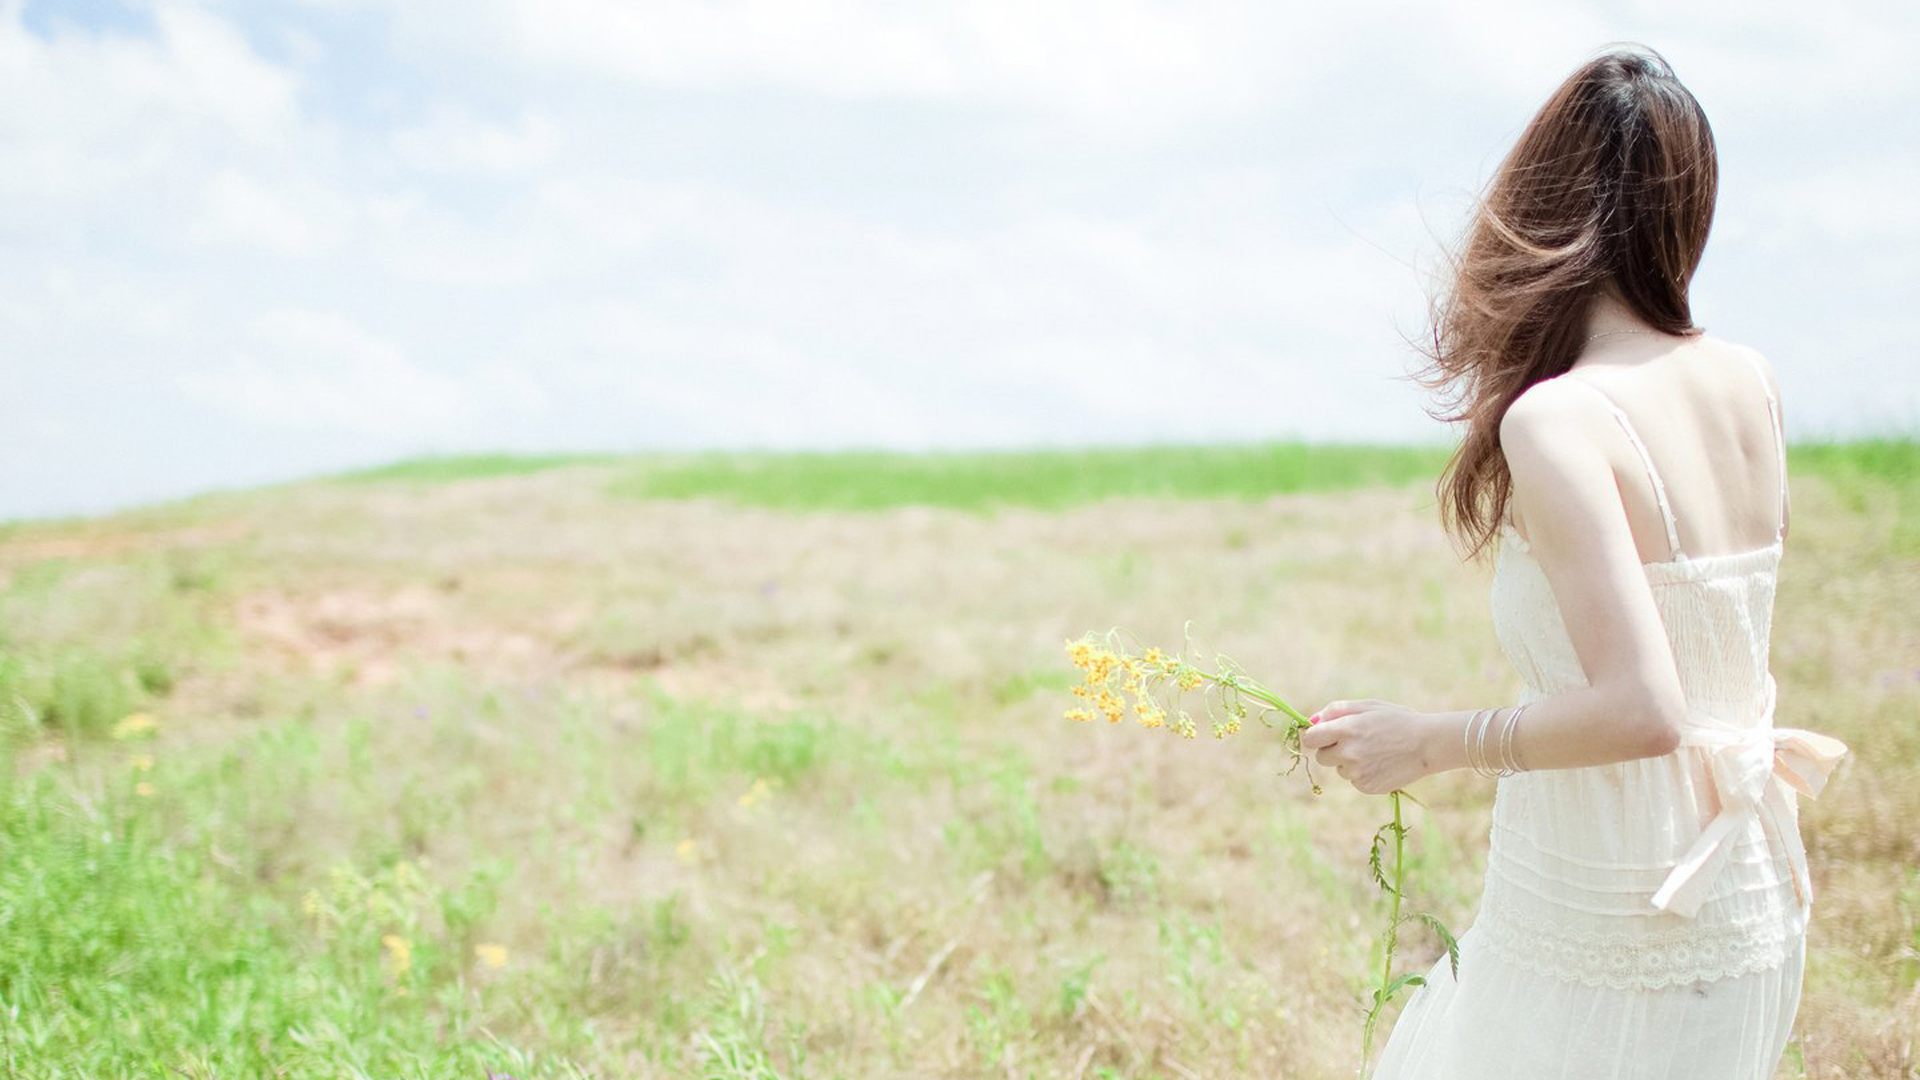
{"x":1703,"y":414}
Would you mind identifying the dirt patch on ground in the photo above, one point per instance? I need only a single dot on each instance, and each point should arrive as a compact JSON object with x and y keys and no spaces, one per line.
{"x":368,"y":638}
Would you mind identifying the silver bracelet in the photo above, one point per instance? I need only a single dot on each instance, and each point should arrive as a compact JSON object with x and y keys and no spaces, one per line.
{"x":1466,"y":739}
{"x":1509,"y":755}
{"x":1480,"y":746}
{"x":1509,"y":762}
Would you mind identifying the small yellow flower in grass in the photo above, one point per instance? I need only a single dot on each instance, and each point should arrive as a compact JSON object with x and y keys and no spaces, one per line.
{"x":494,"y":956}
{"x":134,"y":724}
{"x":140,"y":762}
{"x":687,"y":851}
{"x":399,"y":954}
{"x":757,"y":792}
{"x":1111,"y":705}
{"x":1079,"y":714}
{"x":143,"y":788}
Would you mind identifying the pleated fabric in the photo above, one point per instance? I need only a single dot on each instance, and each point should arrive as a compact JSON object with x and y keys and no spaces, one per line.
{"x":1505,"y":1019}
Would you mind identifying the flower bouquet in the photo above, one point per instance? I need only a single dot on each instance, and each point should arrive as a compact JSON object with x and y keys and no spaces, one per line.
{"x":1154,"y":682}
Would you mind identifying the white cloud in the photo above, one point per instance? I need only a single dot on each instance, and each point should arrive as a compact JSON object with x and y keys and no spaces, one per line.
{"x":144,"y":147}
{"x":211,"y":74}
{"x":458,"y":142}
{"x":307,"y":370}
{"x":244,"y":210}
{"x":327,"y":232}
{"x":1097,"y":59}
{"x":1867,"y":202}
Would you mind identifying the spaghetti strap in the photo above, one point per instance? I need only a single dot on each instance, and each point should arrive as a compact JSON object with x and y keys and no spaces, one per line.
{"x":1653,"y":474}
{"x":1779,"y":436}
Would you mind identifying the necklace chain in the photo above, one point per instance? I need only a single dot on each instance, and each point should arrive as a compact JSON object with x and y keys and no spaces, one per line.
{"x":1607,"y":333}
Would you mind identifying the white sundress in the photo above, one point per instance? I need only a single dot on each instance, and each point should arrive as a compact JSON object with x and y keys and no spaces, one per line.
{"x":1644,"y":920}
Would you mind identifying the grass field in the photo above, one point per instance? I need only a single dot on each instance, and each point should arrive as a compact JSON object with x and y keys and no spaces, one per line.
{"x":752,"y":766}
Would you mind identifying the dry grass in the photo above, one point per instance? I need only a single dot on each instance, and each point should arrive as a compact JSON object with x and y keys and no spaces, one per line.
{"x":940,"y":877}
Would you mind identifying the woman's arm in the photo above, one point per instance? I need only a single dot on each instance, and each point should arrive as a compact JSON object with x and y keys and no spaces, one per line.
{"x":1556,"y":439}
{"x":1773,"y":387}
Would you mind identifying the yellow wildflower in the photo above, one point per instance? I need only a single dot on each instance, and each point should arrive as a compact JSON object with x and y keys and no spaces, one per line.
{"x":143,"y":788}
{"x":687,"y":851}
{"x":1151,"y":715}
{"x":494,"y":956}
{"x":310,"y":903}
{"x":1100,"y":664}
{"x":134,"y":724}
{"x":140,"y":762}
{"x":754,"y":794}
{"x":399,"y":954}
{"x":1079,"y":714}
{"x":1189,"y":678}
{"x":1111,"y":705}
{"x":1081,"y":653}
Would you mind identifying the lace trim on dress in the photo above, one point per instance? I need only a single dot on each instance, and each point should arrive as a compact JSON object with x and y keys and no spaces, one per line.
{"x":1640,"y":960}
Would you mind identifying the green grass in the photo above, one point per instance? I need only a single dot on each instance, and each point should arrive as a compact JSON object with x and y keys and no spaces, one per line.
{"x":440,"y":469}
{"x":1046,"y":479}
{"x":141,"y":944}
{"x":83,"y":643}
{"x":1892,"y":460}
{"x":1055,"y":478}
{"x":161,"y":923}
{"x":1879,"y":479}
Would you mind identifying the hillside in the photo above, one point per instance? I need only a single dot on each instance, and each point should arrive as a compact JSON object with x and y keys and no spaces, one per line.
{"x":754,"y":766}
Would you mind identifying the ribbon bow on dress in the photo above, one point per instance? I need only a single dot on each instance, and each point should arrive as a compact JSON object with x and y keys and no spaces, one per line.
{"x":1755,"y":772}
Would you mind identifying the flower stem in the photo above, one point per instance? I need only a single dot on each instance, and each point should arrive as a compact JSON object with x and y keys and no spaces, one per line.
{"x":1257,"y":692}
{"x":1392,"y":939}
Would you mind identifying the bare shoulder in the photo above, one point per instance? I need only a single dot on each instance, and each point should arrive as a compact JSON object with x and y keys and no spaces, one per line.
{"x":1536,"y":424}
{"x":1750,"y":355}
{"x":1558,"y":459}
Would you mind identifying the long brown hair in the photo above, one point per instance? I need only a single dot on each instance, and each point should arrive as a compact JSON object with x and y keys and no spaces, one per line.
{"x":1610,"y":188}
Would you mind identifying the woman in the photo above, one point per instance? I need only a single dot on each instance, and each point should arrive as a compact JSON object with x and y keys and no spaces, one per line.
{"x":1646,"y":894}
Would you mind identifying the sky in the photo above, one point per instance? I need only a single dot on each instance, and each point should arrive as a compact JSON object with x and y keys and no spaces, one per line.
{"x":249,"y":241}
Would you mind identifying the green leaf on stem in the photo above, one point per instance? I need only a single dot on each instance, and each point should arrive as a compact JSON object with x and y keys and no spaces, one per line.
{"x":1374,"y":854}
{"x":1446,"y":937}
